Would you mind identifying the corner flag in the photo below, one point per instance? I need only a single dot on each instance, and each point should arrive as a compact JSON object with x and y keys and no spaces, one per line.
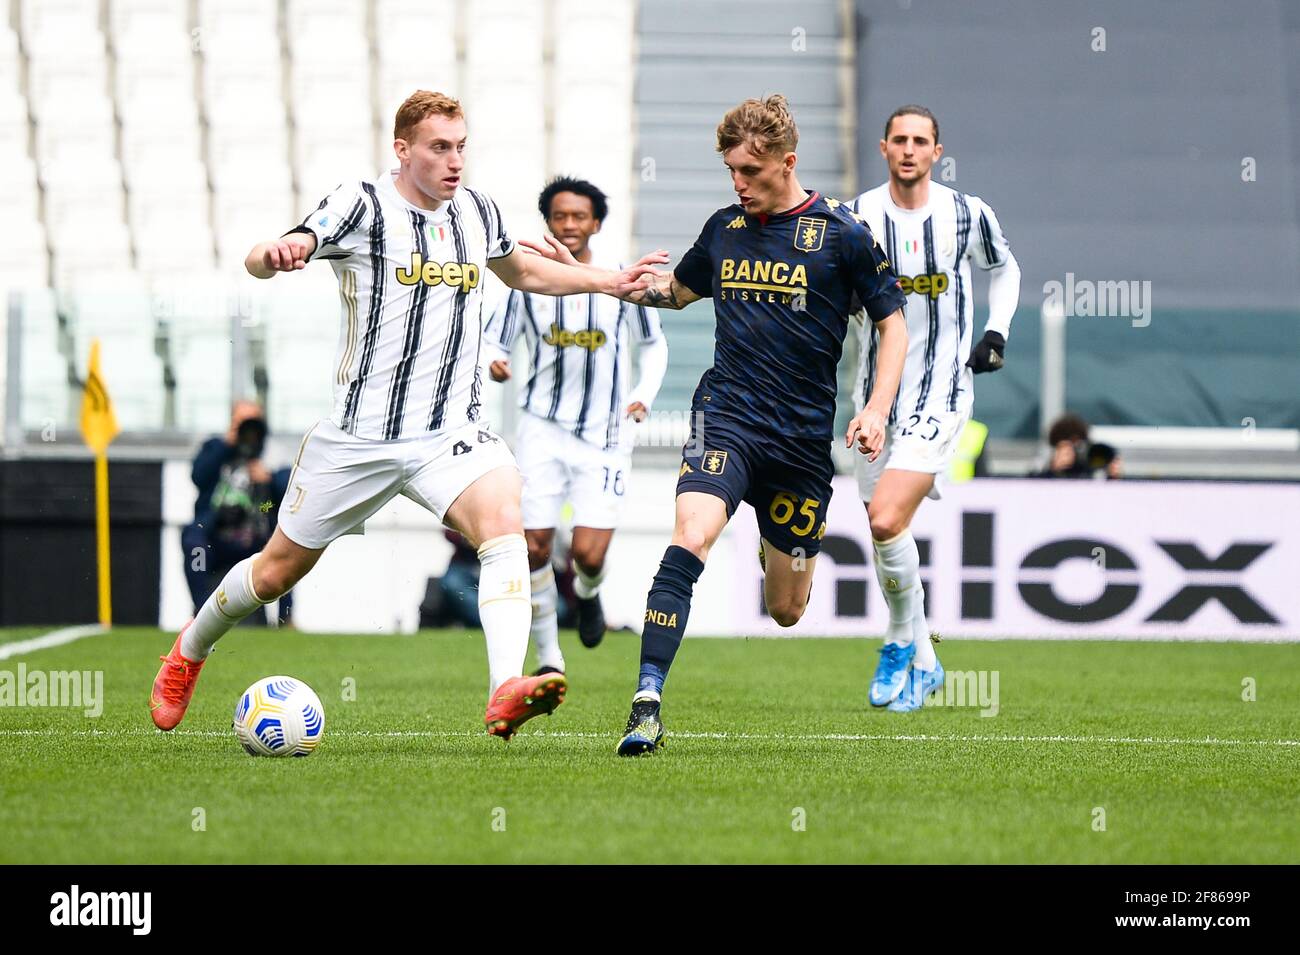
{"x":99,"y":428}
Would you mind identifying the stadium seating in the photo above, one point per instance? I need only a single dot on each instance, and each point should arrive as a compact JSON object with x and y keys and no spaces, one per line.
{"x":178,"y":134}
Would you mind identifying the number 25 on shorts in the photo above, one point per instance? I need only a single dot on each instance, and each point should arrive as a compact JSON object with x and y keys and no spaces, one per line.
{"x":786,"y":505}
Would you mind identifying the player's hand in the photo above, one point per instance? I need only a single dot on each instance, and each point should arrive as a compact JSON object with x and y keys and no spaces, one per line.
{"x":553,"y":249}
{"x":258,"y":472}
{"x":868,"y":429}
{"x":499,"y":370}
{"x":288,"y":253}
{"x":657,"y":257}
{"x":987,"y":355}
{"x":636,"y":278}
{"x":637,"y":411}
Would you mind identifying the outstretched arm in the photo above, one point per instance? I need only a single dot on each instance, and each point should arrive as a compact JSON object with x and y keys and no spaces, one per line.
{"x":664,"y":292}
{"x":539,"y":273}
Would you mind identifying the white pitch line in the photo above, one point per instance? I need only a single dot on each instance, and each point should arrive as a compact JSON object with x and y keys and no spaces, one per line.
{"x":770,"y":737}
{"x":55,"y":638}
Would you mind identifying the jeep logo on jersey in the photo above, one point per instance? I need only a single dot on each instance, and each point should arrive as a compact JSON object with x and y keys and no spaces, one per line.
{"x":464,"y":274}
{"x":933,"y":285}
{"x":590,"y":340}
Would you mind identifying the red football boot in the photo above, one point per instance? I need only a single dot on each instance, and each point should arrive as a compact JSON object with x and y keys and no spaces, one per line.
{"x":520,"y":698}
{"x":173,"y":686}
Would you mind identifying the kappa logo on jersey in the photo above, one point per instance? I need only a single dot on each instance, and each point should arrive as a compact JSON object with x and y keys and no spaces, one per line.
{"x":809,"y":233}
{"x":590,"y":340}
{"x":715,"y":462}
{"x":464,"y":274}
{"x":933,"y":284}
{"x":737,"y":223}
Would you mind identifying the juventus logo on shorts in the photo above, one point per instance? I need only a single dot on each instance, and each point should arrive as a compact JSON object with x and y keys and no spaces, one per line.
{"x":715,"y":462}
{"x":460,"y":447}
{"x":297,"y":501}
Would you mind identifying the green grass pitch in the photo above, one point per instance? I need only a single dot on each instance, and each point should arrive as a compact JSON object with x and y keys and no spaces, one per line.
{"x":772,"y":756}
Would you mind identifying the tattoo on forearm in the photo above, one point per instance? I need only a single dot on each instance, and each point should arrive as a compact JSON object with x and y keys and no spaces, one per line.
{"x":659,"y":298}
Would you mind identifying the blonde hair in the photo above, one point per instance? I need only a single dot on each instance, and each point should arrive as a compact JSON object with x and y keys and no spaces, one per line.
{"x":764,"y":125}
{"x":420,"y":105}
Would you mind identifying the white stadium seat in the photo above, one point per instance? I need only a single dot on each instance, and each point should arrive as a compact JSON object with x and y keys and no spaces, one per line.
{"x":164,"y":69}
{"x":9,"y":58}
{"x":42,"y":19}
{"x":326,"y":16}
{"x":117,"y":310}
{"x":45,"y":388}
{"x":147,"y":18}
{"x":252,"y":148}
{"x":216,"y":17}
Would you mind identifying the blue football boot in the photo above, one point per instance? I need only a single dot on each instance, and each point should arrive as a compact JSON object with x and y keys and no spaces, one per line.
{"x":645,"y":731}
{"x":920,"y":684}
{"x":891,"y":673}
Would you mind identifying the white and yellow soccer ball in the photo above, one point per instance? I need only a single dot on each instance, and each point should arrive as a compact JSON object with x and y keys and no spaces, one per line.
{"x":279,"y":716}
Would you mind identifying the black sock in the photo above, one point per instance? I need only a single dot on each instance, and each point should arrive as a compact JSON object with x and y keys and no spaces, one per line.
{"x":667,"y":607}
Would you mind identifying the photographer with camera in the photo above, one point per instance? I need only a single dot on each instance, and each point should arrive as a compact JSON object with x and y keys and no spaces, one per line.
{"x":1072,"y":455}
{"x":238,"y":501}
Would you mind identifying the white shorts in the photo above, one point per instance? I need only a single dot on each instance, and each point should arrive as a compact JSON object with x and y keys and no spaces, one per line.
{"x":559,"y":467}
{"x":924,"y":443}
{"x":339,"y":480}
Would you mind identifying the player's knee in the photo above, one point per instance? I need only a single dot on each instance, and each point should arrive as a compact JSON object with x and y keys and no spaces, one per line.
{"x":539,"y":554}
{"x":887,"y":524}
{"x":500,"y":518}
{"x":589,"y":559}
{"x":693,"y":539}
{"x":786,"y":611}
{"x":273,"y":578}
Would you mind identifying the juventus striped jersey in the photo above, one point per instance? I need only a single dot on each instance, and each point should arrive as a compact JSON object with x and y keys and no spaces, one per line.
{"x":411,"y":285}
{"x":579,"y":358}
{"x":931,"y":249}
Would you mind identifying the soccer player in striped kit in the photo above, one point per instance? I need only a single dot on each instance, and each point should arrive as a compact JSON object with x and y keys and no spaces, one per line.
{"x":574,"y":440}
{"x":932,"y":234}
{"x":409,"y":249}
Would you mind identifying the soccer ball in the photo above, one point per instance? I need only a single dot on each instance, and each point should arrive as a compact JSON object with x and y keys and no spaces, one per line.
{"x":279,"y":716}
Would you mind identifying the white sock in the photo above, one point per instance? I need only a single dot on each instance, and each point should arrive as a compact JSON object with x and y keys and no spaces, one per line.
{"x":898,"y":568}
{"x":586,"y":586}
{"x":546,"y":628}
{"x":504,"y":605}
{"x":232,"y":601}
{"x":925,"y":658}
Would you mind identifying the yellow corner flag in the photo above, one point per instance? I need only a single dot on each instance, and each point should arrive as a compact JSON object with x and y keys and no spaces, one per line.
{"x":99,"y":428}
